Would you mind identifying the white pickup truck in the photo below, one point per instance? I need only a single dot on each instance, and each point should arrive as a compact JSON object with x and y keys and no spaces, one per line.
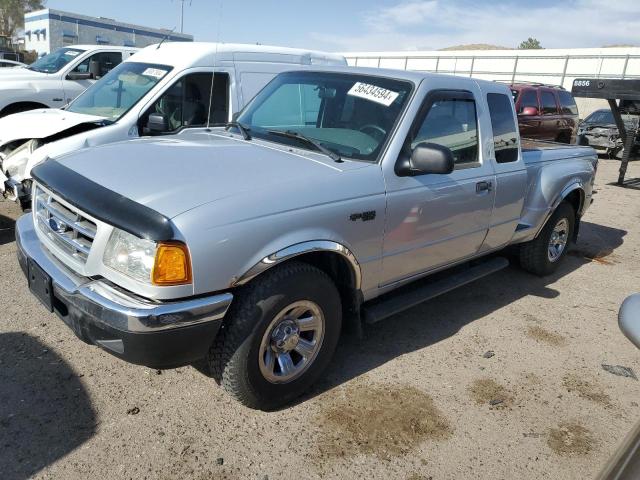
{"x":55,"y":79}
{"x":168,"y":84}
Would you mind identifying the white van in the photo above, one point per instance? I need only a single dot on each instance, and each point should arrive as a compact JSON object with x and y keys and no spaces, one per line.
{"x":171,"y":83}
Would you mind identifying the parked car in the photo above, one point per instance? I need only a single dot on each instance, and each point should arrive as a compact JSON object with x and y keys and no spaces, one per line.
{"x":251,"y":246}
{"x":56,"y":79}
{"x":158,"y":91}
{"x":10,"y":63}
{"x":599,"y":131}
{"x":545,"y":112}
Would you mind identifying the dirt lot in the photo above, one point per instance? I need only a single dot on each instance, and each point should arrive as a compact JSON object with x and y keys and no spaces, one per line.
{"x":500,"y":379}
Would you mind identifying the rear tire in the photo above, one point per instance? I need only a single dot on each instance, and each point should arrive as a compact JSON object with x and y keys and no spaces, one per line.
{"x":290,"y":309}
{"x":542,"y":255}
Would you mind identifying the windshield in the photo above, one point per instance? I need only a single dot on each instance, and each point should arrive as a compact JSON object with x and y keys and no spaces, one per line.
{"x":604,"y":117}
{"x":55,"y":61}
{"x":348,"y":114}
{"x":119,"y":90}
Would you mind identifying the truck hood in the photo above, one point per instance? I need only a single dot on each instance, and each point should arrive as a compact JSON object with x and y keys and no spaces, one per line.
{"x":175,"y":174}
{"x":41,"y":123}
{"x":17,"y":74}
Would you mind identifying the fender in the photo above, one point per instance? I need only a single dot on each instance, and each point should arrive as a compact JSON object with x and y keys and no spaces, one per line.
{"x":300,"y":249}
{"x":573,"y":186}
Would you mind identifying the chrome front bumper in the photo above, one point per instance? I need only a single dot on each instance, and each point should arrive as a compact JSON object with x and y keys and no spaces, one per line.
{"x":138,"y":330}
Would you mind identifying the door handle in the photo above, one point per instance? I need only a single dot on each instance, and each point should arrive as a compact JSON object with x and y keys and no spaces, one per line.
{"x":483,"y":187}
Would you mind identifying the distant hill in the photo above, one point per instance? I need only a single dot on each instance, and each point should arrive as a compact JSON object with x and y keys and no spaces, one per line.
{"x":622,"y":45}
{"x":476,"y":46}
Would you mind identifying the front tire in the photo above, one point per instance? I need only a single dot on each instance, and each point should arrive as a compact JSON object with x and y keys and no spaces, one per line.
{"x":278,"y":336}
{"x":543,"y":254}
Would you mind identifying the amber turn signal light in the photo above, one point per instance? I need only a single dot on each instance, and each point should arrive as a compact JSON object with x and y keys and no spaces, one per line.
{"x":172,"y":265}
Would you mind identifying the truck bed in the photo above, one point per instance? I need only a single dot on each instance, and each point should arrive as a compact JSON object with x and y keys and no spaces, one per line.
{"x":534,"y":151}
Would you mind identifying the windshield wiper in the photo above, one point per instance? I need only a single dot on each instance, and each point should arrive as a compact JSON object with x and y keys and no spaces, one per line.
{"x":291,"y":134}
{"x":243,"y":130}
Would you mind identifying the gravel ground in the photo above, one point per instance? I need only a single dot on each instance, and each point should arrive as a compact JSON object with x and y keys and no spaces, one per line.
{"x":500,"y":379}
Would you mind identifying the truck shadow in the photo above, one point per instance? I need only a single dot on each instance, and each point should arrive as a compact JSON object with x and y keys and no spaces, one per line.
{"x":45,"y":412}
{"x":442,"y":317}
{"x":7,"y":230}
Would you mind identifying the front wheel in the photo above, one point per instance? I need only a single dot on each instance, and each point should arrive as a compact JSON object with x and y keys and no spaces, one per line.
{"x":543,"y":254}
{"x":278,"y":337}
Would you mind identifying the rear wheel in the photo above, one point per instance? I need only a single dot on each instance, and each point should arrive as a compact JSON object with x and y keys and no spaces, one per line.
{"x":278,"y":337}
{"x":543,"y":254}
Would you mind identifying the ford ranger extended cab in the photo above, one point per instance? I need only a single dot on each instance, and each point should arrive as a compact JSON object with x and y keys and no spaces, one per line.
{"x":159,"y":91}
{"x":337,"y":196}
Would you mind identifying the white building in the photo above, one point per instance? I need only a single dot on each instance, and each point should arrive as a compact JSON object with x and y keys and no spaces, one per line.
{"x":552,"y":66}
{"x":47,"y":30}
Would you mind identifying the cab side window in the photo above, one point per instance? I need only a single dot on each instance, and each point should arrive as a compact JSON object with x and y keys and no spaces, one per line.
{"x":548,"y":101}
{"x":505,"y":136}
{"x":106,"y":61}
{"x":451,"y":122}
{"x":186,"y":102}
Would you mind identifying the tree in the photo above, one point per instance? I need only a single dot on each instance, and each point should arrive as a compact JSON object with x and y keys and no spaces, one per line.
{"x":530,"y":43}
{"x":12,"y":14}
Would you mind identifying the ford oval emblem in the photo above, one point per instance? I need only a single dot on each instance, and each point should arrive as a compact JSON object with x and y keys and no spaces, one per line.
{"x":56,"y":226}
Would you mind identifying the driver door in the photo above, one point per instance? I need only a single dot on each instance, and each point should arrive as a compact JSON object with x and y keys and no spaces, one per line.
{"x":437,"y":219}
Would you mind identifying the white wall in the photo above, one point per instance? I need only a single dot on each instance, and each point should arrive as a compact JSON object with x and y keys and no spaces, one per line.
{"x":553,"y":66}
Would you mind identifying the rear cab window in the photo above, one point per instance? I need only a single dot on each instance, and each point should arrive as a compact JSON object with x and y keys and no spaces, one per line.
{"x":505,"y":131}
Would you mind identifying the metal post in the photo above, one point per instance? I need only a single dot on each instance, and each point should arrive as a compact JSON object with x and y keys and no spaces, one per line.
{"x":564,"y":70}
{"x":378,"y":62}
{"x":624,"y":69}
{"x":515,"y":69}
{"x":622,"y":131}
{"x":406,"y":61}
{"x":473,"y":60}
{"x":437,"y":63}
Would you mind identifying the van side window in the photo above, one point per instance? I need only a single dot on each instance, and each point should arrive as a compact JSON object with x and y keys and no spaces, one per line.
{"x":548,"y":101}
{"x":567,"y":103}
{"x":453,"y":124}
{"x":528,"y":98}
{"x":505,"y":136}
{"x":186,"y":102}
{"x":106,"y":60}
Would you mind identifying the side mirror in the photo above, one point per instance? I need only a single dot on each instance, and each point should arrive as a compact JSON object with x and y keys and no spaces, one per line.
{"x":157,"y":124}
{"x":94,"y":69}
{"x":427,"y":158}
{"x":79,"y":76}
{"x":529,"y":112}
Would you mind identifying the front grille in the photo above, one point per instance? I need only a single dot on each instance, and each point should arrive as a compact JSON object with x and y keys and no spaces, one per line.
{"x":66,"y":227}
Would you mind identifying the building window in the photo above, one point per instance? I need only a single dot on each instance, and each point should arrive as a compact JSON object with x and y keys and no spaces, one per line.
{"x":100,"y":40}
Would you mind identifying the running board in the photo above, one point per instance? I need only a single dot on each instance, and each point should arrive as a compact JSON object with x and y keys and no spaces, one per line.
{"x":410,"y":296}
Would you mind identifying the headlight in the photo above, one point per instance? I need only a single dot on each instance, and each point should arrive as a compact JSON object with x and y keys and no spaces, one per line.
{"x":18,"y":157}
{"x":163,"y":263}
{"x":27,"y":147}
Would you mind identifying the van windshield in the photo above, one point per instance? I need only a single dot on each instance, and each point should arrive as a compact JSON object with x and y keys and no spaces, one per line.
{"x":349,"y":114}
{"x":55,"y":61}
{"x":114,"y":94}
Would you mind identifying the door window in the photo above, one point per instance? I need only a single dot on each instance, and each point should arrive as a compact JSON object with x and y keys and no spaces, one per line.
{"x":528,"y":98}
{"x":186,"y":102}
{"x":567,"y":103}
{"x":106,"y":60}
{"x":451,"y":122}
{"x":548,"y":101}
{"x":505,"y":136}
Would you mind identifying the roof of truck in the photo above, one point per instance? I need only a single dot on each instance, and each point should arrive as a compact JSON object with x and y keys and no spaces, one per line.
{"x":410,"y":75}
{"x":202,"y":54}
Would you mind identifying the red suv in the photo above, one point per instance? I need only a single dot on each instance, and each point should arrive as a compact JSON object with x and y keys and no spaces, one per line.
{"x":545,"y":112}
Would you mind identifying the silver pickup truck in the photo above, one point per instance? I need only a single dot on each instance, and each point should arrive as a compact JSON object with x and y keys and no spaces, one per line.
{"x":337,"y":197}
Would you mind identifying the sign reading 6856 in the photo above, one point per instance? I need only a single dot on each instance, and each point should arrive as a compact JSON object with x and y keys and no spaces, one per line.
{"x":581,"y":83}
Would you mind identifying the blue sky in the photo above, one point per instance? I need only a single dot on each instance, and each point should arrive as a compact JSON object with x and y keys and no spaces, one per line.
{"x":357,"y":25}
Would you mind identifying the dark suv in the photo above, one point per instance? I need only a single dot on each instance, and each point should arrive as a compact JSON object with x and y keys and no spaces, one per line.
{"x":545,"y":112}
